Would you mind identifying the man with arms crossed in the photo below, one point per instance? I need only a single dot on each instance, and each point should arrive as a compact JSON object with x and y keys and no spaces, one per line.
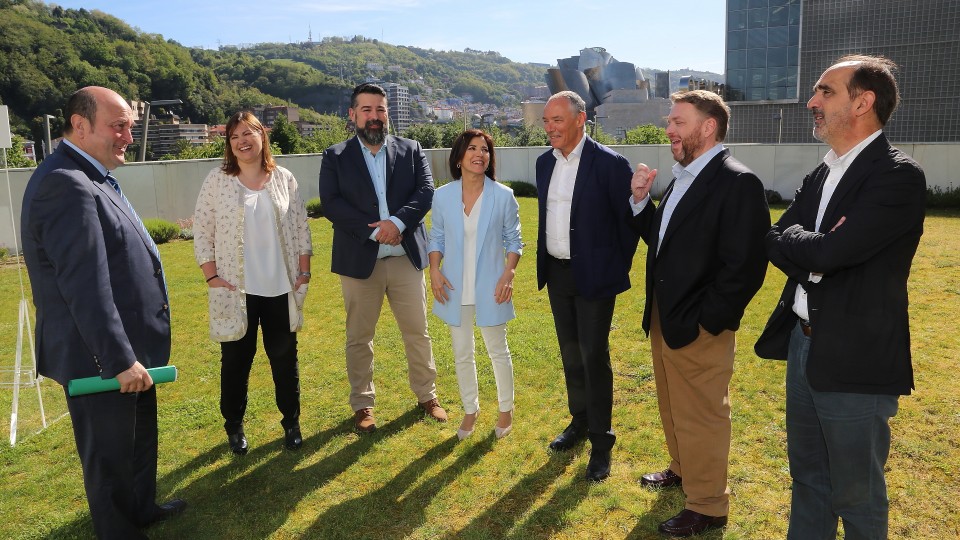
{"x":584,"y":251}
{"x":102,"y":310}
{"x":376,"y":190}
{"x":705,"y":261}
{"x":846,"y":244}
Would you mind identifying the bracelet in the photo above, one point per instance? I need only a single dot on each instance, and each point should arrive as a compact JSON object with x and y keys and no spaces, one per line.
{"x":212,"y":277}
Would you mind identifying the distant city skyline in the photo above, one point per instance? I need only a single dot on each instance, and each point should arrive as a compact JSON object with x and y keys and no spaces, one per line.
{"x":661,"y":35}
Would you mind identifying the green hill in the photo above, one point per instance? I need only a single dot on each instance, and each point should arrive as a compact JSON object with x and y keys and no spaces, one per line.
{"x":47,"y":52}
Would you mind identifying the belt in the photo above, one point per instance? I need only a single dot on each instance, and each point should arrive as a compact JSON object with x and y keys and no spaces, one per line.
{"x":805,"y":328}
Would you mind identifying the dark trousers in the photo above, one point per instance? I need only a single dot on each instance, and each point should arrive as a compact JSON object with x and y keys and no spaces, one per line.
{"x":116,"y":437}
{"x":837,"y":444}
{"x":280,"y":344}
{"x":583,"y":331}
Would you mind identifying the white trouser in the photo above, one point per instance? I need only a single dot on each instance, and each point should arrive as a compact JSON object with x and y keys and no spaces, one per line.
{"x":495,"y":338}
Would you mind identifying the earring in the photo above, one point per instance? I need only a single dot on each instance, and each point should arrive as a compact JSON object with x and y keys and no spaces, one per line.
{"x":458,"y":165}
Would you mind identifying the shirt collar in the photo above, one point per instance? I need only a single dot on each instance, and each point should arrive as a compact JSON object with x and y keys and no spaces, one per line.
{"x":842,"y":162}
{"x":697,"y":165}
{"x":103,"y":170}
{"x":367,"y":151}
{"x":575,"y":153}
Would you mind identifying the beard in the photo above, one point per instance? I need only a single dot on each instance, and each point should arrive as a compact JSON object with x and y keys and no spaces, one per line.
{"x":372,"y":133}
{"x":833,"y":124}
{"x":688,"y":147}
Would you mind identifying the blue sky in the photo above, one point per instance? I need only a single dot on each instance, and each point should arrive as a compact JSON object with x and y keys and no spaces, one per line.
{"x":670,"y":34}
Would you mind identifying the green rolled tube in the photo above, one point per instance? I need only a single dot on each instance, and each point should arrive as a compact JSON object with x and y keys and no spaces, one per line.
{"x":94,"y":385}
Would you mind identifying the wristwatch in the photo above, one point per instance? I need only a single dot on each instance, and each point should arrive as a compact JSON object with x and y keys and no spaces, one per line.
{"x":307,"y":274}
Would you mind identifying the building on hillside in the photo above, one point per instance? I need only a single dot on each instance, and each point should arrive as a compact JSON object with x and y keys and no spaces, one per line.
{"x":164,"y":132}
{"x":268,"y":114}
{"x":777,"y":49}
{"x":398,"y":103}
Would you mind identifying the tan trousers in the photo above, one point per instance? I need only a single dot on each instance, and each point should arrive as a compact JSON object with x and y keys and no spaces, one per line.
{"x":405,"y":289}
{"x":693,"y":396}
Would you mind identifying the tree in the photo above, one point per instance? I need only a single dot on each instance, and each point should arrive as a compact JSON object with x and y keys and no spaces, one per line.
{"x":647,"y":134}
{"x":16,"y":158}
{"x":285,"y":135}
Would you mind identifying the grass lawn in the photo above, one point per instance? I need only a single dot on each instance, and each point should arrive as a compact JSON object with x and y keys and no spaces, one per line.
{"x":413,"y":479}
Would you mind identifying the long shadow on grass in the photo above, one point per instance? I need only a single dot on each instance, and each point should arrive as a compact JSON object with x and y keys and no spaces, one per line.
{"x":667,"y":504}
{"x":497,"y":520}
{"x":253,"y":496}
{"x":392,"y":511}
{"x":550,"y":518}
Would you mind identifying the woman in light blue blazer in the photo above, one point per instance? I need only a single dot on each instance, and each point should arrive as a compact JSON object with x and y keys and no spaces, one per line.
{"x":475,"y":233}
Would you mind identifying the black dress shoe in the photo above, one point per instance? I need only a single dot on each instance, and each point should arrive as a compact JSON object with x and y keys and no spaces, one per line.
{"x":167,"y":510}
{"x":238,"y":443}
{"x":598,"y":469}
{"x":662,"y":479}
{"x":569,"y":438}
{"x":292,"y":438}
{"x":689,"y":523}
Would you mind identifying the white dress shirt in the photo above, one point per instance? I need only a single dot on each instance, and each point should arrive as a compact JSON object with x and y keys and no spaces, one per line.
{"x":560,"y":200}
{"x":838,"y":166}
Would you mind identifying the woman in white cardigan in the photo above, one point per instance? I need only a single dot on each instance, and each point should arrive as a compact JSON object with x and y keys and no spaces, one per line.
{"x":252,"y":242}
{"x":475,"y":232}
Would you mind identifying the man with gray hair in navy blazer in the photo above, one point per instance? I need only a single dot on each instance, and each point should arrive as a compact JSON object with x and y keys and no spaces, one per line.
{"x":584,"y":251}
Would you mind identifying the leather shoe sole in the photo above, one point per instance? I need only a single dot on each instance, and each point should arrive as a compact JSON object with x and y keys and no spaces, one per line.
{"x":662,"y":479}
{"x":689,"y":523}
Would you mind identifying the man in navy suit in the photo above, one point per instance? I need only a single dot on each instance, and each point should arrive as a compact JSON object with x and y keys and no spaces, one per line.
{"x":376,"y":190}
{"x":846,"y":244}
{"x":101,"y":302}
{"x":584,"y":251}
{"x":705,"y":261}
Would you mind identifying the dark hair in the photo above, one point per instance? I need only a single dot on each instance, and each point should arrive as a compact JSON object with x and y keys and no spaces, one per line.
{"x":81,"y":102}
{"x":459,"y":150}
{"x":874,"y":74}
{"x":365,"y":88}
{"x":230,"y":164}
{"x":707,"y":103}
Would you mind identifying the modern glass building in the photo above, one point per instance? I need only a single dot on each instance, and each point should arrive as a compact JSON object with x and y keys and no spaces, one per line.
{"x":777,"y":49}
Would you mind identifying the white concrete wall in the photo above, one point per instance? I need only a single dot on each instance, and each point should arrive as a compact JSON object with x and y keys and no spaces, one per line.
{"x":168,"y":189}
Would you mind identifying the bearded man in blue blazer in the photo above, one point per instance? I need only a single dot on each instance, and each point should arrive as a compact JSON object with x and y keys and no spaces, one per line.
{"x":585,"y":248}
{"x":376,"y":189}
{"x":98,"y":287}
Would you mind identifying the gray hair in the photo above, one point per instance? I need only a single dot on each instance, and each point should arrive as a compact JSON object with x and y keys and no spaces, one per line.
{"x":577,"y":105}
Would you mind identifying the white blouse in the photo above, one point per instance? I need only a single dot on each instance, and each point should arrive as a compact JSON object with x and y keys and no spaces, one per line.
{"x":265,"y":273}
{"x":470,"y":223}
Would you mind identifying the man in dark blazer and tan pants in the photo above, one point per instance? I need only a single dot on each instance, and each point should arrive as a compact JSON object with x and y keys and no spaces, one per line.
{"x":585,"y":248}
{"x":98,"y":287}
{"x":376,"y":189}
{"x":846,"y":244}
{"x":705,"y":261}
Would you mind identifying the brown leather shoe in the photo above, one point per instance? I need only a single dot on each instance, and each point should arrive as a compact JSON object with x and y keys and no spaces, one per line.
{"x":363,"y":420}
{"x":663,"y":479}
{"x":689,"y":523}
{"x":433,"y":408}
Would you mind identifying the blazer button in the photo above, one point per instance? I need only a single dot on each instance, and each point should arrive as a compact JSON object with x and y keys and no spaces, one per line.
{"x":157,"y":272}
{"x":164,"y":307}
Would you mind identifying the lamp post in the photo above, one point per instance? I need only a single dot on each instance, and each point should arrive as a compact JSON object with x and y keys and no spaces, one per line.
{"x":779,"y":118}
{"x":146,"y":123}
{"x":47,"y":145}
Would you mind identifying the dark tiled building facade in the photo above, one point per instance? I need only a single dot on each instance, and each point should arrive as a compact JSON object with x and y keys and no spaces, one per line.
{"x":776,"y":50}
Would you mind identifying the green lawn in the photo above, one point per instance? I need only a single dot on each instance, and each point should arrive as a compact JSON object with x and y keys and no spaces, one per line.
{"x":413,"y":479}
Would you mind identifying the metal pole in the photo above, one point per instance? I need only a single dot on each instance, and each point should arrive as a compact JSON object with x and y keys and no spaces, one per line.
{"x":780,"y":128}
{"x":48,"y":147}
{"x":143,"y":136}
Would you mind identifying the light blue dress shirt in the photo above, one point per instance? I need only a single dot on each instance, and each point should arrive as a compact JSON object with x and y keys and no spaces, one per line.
{"x":377,"y":165}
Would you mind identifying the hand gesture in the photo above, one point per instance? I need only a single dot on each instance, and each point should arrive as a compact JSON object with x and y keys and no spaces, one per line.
{"x":388,"y":234}
{"x":641,"y":182}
